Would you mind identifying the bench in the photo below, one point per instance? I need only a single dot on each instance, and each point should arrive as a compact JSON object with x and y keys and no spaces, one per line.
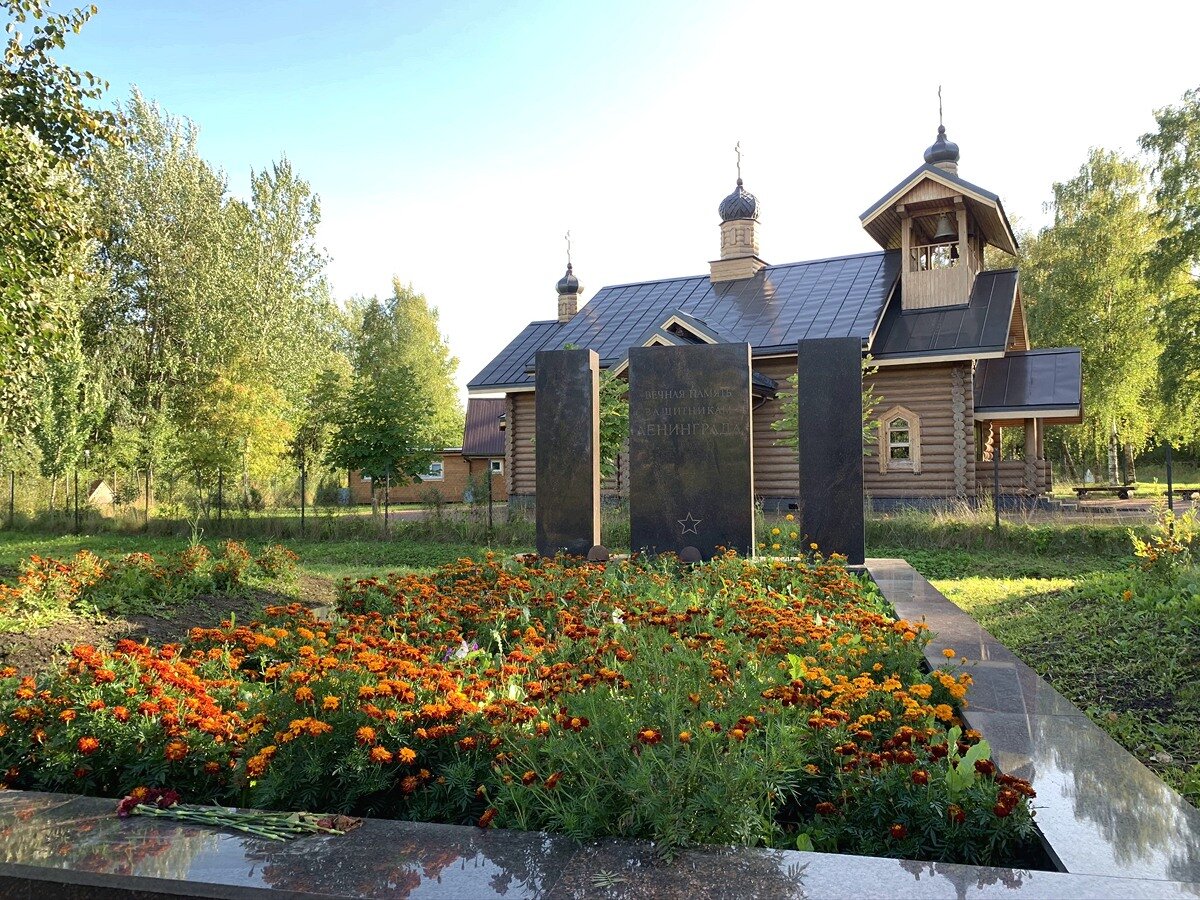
{"x":1121,"y":490}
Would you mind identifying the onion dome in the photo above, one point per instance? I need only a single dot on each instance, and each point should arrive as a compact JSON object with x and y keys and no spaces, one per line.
{"x":568,"y":284}
{"x":942,"y":149}
{"x":741,"y":204}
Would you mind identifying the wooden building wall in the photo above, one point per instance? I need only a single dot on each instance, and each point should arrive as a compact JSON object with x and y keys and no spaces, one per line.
{"x":941,"y":395}
{"x":518,"y":442}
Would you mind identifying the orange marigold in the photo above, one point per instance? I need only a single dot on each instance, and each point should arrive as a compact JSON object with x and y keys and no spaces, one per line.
{"x":381,"y":755}
{"x":88,"y":745}
{"x":407,"y":755}
{"x":365,"y":735}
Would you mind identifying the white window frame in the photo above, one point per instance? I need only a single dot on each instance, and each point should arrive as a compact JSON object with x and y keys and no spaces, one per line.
{"x":440,"y":465}
{"x":911,"y":463}
{"x":496,"y":466}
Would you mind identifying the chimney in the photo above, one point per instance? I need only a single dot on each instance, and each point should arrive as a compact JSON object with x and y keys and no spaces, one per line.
{"x":739,"y":234}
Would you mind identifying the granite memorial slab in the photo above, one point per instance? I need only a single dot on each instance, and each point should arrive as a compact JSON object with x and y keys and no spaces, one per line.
{"x":690,"y":452}
{"x":829,"y":407}
{"x":567,"y":467}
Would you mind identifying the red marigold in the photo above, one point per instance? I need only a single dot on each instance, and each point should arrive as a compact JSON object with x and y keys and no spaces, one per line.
{"x":649,"y":736}
{"x":553,"y":780}
{"x":898,"y":831}
{"x":1001,"y":810}
{"x":920,"y":777}
{"x":825,"y":808}
{"x":985,"y":767}
{"x":176,"y":751}
{"x":955,"y":813}
{"x":529,"y":777}
{"x":485,"y":820}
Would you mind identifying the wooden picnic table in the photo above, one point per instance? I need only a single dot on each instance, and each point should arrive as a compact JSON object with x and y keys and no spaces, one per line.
{"x":1121,"y":490}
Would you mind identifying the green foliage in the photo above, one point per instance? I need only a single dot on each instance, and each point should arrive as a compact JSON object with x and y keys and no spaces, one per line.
{"x":1174,"y":261}
{"x":614,"y":421}
{"x":1168,"y":549}
{"x":788,"y":422}
{"x":1084,"y":285}
{"x":384,"y":429}
{"x":402,"y":331}
{"x":43,"y":229}
{"x":53,"y":101}
{"x":67,"y":409}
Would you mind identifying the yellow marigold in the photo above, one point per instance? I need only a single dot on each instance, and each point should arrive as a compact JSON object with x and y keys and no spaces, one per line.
{"x":407,"y":755}
{"x":790,"y":517}
{"x":330,"y":702}
{"x":303,"y":694}
{"x":944,"y":712}
{"x":774,"y":531}
{"x":948,"y":653}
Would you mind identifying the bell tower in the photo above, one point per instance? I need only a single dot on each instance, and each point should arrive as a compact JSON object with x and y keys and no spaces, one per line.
{"x":940,"y":224}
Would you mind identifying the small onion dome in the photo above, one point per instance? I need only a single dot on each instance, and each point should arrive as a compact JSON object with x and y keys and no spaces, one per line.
{"x":568,"y":284}
{"x":741,"y":204}
{"x":942,"y":149}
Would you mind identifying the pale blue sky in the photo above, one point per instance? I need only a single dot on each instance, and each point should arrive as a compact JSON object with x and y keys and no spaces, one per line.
{"x":453,"y":144}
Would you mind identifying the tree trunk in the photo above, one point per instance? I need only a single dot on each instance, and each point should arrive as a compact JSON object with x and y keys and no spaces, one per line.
{"x":1112,"y":454}
{"x":1069,"y":465}
{"x":53,"y":491}
{"x":1130,"y":467}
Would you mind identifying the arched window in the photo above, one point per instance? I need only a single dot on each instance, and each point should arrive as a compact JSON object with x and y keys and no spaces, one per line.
{"x":899,"y":441}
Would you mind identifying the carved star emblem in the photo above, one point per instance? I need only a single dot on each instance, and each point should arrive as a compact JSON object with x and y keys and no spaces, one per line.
{"x":689,"y":524}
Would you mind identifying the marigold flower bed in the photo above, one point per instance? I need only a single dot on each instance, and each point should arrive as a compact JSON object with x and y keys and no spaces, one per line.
{"x":775,"y":704}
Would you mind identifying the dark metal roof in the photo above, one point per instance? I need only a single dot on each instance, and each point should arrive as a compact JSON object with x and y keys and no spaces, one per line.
{"x":482,"y":435}
{"x":838,"y":297}
{"x":980,"y":326}
{"x":1032,"y":381}
{"x":508,"y":368}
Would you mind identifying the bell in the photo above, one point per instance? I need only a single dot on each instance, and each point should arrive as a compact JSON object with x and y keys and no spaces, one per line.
{"x":945,"y":230}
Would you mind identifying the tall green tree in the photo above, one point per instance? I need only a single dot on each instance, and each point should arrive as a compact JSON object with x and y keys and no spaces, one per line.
{"x":54,"y":102}
{"x":383,"y":429}
{"x":68,"y":405}
{"x":43,"y":244}
{"x":1174,"y":261}
{"x":1084,"y":284}
{"x":402,"y":332}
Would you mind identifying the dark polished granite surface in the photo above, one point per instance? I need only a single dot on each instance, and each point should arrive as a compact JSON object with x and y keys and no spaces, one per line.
{"x":829,"y":415}
{"x":1101,"y":811}
{"x":1116,"y":829}
{"x":58,"y":846}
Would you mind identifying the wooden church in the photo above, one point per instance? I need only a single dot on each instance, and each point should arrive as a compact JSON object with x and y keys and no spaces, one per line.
{"x":946,"y":333}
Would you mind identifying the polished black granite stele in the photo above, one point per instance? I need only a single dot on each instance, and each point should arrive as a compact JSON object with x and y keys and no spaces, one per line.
{"x":567,"y":457}
{"x":829,"y":414}
{"x":690,"y":454}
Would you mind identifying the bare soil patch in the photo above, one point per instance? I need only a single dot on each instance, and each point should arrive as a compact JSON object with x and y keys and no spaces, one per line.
{"x":42,"y":649}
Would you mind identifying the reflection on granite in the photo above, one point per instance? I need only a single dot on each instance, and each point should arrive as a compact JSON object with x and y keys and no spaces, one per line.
{"x":76,"y":847}
{"x":1100,"y":810}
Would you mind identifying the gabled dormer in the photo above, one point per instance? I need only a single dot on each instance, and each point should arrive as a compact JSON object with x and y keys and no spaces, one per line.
{"x":940,"y":224}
